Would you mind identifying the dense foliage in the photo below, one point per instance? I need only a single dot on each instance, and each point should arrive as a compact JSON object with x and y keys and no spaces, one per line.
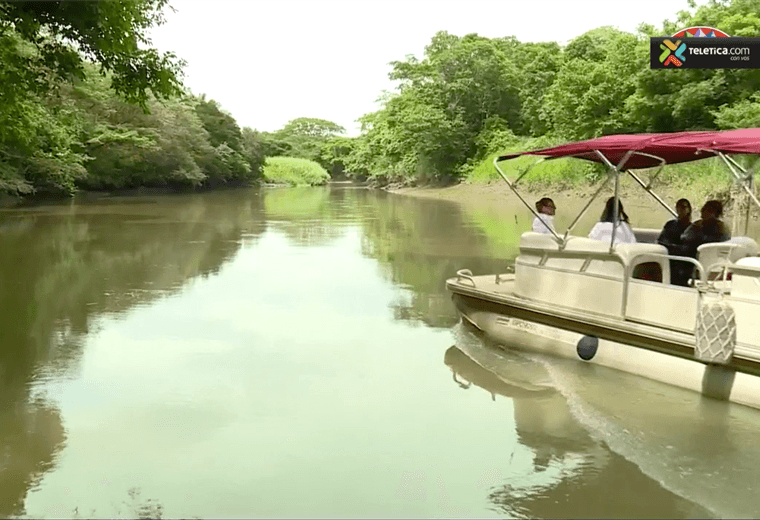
{"x":470,"y":97}
{"x":85,"y":102}
{"x":294,"y":171}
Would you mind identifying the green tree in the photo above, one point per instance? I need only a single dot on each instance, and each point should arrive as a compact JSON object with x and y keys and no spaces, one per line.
{"x":226,"y":163}
{"x":129,"y":147}
{"x":742,"y":114}
{"x":540,"y":65}
{"x":335,"y":154}
{"x":220,"y":125}
{"x":66,"y":34}
{"x":312,"y":127}
{"x":431,"y":128}
{"x":46,"y":45}
{"x":253,"y":151}
{"x":38,"y":145}
{"x":597,"y":76}
{"x":689,"y":99}
{"x":304,"y":137}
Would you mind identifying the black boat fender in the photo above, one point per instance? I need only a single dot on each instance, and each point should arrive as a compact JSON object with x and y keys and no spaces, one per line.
{"x":587,"y":347}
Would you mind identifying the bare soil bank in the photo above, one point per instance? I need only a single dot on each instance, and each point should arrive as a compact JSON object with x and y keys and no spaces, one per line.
{"x":630,"y":193}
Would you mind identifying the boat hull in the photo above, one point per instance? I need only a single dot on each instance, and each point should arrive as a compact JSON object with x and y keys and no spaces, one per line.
{"x":670,"y":364}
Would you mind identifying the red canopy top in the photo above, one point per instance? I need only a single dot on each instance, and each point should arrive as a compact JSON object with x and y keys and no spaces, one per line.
{"x":673,"y":147}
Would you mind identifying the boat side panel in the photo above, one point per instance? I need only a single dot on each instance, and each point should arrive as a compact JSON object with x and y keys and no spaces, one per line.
{"x":664,"y":305}
{"x":572,"y":289}
{"x":713,"y":381}
{"x":747,"y":325}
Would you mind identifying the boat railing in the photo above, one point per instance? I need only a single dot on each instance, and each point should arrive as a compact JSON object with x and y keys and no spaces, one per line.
{"x":589,"y":256}
{"x":726,"y":268}
{"x":465,"y":274}
{"x":703,"y":273}
{"x":628,"y":263}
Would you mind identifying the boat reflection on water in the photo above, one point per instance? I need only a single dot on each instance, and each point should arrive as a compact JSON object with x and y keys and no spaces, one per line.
{"x":543,"y":419}
{"x":574,"y":473}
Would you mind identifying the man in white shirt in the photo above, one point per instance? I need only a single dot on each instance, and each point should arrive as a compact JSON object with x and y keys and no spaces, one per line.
{"x":545,"y":219}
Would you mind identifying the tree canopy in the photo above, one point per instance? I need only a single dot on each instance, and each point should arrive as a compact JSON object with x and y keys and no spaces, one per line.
{"x":86,"y":102}
{"x":54,"y":39}
{"x":469,"y":97}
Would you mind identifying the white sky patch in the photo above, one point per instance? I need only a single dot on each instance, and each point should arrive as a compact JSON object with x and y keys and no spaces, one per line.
{"x":270,"y":61}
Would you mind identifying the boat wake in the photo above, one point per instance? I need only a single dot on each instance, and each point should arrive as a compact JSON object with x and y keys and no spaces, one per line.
{"x":697,"y":448}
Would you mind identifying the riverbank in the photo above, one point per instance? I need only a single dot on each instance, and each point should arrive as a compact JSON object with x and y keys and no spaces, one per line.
{"x":82,"y":195}
{"x":498,"y":193}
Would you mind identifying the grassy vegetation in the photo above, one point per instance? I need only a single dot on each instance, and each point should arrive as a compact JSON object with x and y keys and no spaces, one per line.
{"x":556,"y":173}
{"x":699,"y":179}
{"x":296,"y":172}
{"x":710,"y":176}
{"x":503,"y":234}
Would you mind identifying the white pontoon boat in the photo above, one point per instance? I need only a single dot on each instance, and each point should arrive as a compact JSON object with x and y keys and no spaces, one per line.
{"x":612,"y":303}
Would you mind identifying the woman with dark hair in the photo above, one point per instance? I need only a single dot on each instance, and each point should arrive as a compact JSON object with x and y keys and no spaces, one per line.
{"x":545,"y":219}
{"x":708,"y":229}
{"x":603,"y":229}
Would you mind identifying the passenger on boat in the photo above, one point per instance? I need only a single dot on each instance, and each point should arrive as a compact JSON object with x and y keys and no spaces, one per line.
{"x":545,"y":219}
{"x":603,"y":229}
{"x":708,"y":229}
{"x":670,"y":237}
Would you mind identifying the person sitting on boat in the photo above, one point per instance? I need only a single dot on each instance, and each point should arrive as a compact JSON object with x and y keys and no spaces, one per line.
{"x":670,"y":237}
{"x":603,"y":229}
{"x":708,"y":229}
{"x":545,"y":219}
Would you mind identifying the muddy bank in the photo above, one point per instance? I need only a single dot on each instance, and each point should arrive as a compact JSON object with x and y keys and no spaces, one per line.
{"x":495,"y":202}
{"x":630,"y":193}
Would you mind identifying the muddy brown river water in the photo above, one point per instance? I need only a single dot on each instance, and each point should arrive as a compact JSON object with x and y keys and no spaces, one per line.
{"x":293,"y":353}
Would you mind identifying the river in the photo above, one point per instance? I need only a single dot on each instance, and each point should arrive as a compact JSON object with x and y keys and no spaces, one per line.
{"x":293,"y":353}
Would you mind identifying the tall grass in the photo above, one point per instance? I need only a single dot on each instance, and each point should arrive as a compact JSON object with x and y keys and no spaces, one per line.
{"x":708,"y":177}
{"x":559,"y":172}
{"x":293,"y":171}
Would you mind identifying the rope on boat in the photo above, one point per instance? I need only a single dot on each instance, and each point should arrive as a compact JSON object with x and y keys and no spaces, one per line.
{"x":715,"y":331}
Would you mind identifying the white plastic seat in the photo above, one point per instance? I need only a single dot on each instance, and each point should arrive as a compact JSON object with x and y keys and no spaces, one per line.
{"x":587,"y":245}
{"x":628,"y":251}
{"x":747,"y":247}
{"x":646,"y":236}
{"x":712,"y":254}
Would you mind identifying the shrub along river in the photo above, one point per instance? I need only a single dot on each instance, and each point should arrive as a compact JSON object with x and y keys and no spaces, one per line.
{"x":293,"y":353}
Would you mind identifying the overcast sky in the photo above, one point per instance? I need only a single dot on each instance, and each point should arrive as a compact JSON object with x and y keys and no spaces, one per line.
{"x":270,"y":61}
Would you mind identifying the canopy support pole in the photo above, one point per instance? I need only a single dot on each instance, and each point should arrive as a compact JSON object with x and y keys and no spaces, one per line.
{"x":616,"y":207}
{"x":512,"y":186}
{"x":648,"y":189}
{"x":616,"y":203}
{"x":742,"y":180}
{"x":750,"y":179}
{"x":748,"y":212}
{"x":585,"y":208}
{"x":746,"y":181}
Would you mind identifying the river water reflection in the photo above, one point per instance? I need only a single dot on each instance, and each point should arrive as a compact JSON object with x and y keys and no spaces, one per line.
{"x":293,"y":353}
